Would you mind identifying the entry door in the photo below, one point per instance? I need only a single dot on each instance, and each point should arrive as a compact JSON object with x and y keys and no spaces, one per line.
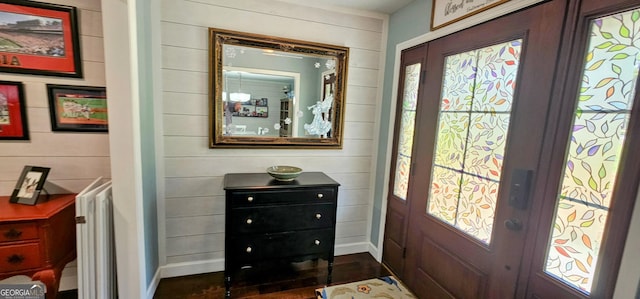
{"x":478,"y":144}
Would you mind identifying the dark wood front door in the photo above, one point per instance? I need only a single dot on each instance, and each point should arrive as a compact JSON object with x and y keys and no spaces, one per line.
{"x":521,"y":182}
{"x":478,"y":146}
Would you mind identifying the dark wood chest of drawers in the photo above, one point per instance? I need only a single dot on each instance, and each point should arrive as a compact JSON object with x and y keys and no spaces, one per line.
{"x":273,"y":220}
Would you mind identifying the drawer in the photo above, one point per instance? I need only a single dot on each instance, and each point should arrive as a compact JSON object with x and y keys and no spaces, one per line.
{"x":18,"y":231}
{"x":282,"y":218}
{"x":19,"y":257}
{"x":267,"y":197}
{"x":280,"y":245}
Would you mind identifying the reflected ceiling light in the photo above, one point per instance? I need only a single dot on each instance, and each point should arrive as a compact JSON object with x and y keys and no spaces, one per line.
{"x":239,"y":96}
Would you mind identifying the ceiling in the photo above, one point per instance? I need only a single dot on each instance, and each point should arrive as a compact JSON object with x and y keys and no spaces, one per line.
{"x":380,"y":6}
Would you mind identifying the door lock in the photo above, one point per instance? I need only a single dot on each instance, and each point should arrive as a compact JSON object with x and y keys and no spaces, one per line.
{"x":520,"y":185}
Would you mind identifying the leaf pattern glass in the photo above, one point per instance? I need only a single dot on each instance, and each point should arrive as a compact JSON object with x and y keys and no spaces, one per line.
{"x":444,"y":195}
{"x":452,"y":134}
{"x":600,"y":122}
{"x":475,"y":110}
{"x":407,"y":127}
{"x":476,"y":208}
{"x":459,"y":81}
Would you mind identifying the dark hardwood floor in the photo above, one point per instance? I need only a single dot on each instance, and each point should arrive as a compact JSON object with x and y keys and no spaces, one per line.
{"x":281,"y":281}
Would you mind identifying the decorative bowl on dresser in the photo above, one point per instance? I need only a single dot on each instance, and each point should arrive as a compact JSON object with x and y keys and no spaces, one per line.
{"x":271,"y":220}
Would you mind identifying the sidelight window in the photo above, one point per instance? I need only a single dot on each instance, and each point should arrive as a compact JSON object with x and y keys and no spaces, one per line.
{"x":406,"y":131}
{"x":604,"y":103}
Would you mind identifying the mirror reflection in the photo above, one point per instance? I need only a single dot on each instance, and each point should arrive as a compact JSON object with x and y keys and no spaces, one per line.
{"x":274,"y":92}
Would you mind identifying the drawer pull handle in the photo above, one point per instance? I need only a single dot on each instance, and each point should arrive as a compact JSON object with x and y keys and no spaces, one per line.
{"x":320,"y":195}
{"x":249,"y":221}
{"x":250,"y":198}
{"x":249,"y":249}
{"x":15,"y":259}
{"x":318,"y":216}
{"x":317,"y":242}
{"x":13,"y":234}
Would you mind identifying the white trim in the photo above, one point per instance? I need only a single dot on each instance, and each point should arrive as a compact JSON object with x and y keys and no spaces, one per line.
{"x":153,"y":285}
{"x":338,"y":8}
{"x":121,"y":72}
{"x":351,"y":248}
{"x":377,"y":129}
{"x":476,"y":19}
{"x":373,"y":251}
{"x":387,"y":161}
{"x":134,"y":68}
{"x":191,"y":268}
{"x":68,"y":282}
{"x":158,"y":122}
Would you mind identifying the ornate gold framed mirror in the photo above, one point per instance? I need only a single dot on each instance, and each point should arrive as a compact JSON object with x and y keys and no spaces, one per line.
{"x":273,"y":92}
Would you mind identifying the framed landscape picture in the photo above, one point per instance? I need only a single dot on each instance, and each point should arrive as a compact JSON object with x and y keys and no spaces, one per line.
{"x":78,"y":108}
{"x":39,"y":38}
{"x":13,"y":112}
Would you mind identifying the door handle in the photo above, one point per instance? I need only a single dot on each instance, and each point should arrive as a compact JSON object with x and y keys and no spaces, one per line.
{"x":513,"y":224}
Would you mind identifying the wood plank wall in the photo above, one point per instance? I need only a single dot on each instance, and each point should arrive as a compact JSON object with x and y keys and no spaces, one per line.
{"x":193,"y":172}
{"x":76,"y":159}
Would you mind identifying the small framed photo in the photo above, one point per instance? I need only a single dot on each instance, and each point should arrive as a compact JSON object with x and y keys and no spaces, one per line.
{"x":39,"y":38}
{"x":78,"y":108}
{"x":13,"y":112}
{"x":29,"y":186}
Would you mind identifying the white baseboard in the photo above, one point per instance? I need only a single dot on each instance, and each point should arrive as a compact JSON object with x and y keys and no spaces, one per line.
{"x":207,"y":266}
{"x":151,"y":290}
{"x":190,"y":268}
{"x":377,"y":254}
{"x":68,"y":283}
{"x":351,"y":248}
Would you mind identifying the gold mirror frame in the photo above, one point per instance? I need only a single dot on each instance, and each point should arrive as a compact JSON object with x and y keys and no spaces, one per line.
{"x":217,"y":137}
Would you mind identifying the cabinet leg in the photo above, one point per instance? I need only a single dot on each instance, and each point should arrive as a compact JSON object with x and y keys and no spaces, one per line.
{"x":227,"y":286}
{"x":51,"y":279}
{"x":329,"y":270}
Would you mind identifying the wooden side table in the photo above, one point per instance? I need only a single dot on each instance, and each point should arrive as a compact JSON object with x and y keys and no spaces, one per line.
{"x":38,"y":241}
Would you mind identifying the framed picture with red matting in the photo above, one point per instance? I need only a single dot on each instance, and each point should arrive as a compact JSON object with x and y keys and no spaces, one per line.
{"x":13,"y":112}
{"x":39,"y":38}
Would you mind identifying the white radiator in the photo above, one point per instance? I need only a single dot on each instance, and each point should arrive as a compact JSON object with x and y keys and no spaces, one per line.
{"x":95,"y":242}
